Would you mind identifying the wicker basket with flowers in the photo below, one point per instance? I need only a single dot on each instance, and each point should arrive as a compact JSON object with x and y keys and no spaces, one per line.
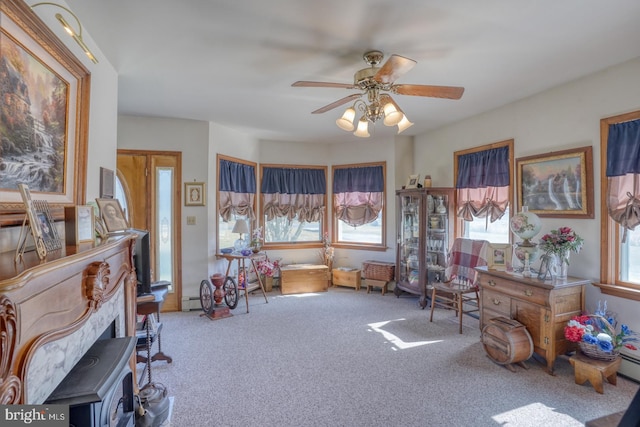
{"x":597,"y":336}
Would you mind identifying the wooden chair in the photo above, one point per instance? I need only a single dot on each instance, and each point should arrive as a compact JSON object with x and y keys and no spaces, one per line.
{"x":460,"y":287}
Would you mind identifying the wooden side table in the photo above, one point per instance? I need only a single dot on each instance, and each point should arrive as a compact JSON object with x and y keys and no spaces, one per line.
{"x":592,"y":370}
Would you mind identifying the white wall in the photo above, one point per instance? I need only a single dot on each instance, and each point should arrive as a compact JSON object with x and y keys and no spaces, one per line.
{"x":565,"y":117}
{"x":190,"y":137}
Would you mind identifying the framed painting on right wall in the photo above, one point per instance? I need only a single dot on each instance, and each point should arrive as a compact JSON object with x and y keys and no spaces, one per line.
{"x":557,"y":184}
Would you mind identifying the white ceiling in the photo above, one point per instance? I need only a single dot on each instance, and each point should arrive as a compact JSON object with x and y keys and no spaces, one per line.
{"x":233,"y":62}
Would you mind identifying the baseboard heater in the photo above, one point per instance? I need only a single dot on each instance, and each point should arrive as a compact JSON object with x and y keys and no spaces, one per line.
{"x":630,"y":367}
{"x":191,"y":303}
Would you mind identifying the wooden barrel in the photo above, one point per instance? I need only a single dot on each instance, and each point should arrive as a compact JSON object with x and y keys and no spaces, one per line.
{"x":506,"y":341}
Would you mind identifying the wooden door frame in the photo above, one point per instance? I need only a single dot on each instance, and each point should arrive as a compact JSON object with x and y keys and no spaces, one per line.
{"x":177,"y":211}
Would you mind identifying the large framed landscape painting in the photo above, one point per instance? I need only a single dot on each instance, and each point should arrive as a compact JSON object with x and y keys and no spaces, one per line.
{"x":557,"y":184}
{"x":44,"y":104}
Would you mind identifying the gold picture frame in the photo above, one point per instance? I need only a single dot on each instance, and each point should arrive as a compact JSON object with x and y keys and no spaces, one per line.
{"x":194,"y":194}
{"x":557,"y":184}
{"x":412,"y":181}
{"x":499,"y":256}
{"x":25,"y":37}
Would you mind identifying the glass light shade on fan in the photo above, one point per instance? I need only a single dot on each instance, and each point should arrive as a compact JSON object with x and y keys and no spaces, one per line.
{"x":525,"y":225}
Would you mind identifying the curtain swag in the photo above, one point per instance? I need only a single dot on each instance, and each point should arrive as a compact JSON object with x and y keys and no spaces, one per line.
{"x":483,"y":184}
{"x":294,"y":192}
{"x":623,"y":170}
{"x":358,"y":194}
{"x":237,"y":188}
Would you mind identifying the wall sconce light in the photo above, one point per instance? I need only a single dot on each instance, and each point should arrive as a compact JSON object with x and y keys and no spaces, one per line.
{"x":77,"y":36}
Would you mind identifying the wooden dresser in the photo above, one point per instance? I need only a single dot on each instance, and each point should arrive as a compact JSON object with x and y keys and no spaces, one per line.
{"x":543,"y":307}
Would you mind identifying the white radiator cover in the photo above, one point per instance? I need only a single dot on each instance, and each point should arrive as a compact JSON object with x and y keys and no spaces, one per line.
{"x":630,"y":366}
{"x":191,"y":303}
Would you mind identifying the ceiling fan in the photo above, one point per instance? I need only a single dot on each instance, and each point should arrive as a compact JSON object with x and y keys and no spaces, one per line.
{"x":376,"y":83}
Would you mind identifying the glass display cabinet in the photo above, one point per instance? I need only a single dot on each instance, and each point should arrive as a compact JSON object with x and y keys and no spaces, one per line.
{"x":425,"y":219}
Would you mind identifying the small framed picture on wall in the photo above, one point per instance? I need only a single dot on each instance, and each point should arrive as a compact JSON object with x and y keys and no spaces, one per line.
{"x":194,"y":194}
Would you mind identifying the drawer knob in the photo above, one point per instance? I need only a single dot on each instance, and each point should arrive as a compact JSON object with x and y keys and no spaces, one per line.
{"x":496,"y":301}
{"x":528,"y":292}
{"x":492,"y":283}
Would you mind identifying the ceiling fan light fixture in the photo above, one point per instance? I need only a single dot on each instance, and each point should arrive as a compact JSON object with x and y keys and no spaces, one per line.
{"x":391,"y":115}
{"x":363,"y":128}
{"x":346,"y":121}
{"x":404,"y":124}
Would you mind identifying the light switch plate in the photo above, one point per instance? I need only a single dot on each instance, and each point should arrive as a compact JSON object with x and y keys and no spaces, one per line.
{"x":191,"y":220}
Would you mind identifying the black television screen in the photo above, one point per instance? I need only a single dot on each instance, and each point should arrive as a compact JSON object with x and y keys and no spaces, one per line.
{"x":142,"y":260}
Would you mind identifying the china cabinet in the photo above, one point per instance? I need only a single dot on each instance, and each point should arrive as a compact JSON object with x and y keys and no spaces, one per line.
{"x":425,"y":219}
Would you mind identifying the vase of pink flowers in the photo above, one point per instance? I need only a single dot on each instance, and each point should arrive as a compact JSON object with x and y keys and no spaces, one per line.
{"x":559,"y":244}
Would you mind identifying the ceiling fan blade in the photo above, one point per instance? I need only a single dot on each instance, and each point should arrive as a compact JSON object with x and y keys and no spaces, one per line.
{"x":395,"y":67}
{"x":449,"y":92}
{"x":337,"y":103}
{"x":303,"y":83}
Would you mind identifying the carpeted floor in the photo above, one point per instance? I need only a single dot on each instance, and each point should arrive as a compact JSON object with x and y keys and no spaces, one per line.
{"x":348,"y":358}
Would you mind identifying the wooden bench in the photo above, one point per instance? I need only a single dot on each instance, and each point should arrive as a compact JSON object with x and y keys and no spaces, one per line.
{"x":592,"y":370}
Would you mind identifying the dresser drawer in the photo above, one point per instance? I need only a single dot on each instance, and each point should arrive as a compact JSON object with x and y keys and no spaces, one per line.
{"x":496,"y":302}
{"x":514,"y":289}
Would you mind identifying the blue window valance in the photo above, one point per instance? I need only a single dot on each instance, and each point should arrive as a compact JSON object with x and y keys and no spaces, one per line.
{"x":360,"y":179}
{"x":623,"y":148}
{"x":236,"y":189}
{"x":358,"y":194}
{"x":487,"y":168}
{"x":293,"y":181}
{"x":237,"y":177}
{"x":623,"y":174}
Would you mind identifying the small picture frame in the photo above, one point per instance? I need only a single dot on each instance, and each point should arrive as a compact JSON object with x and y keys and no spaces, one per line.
{"x":79,"y":222}
{"x":107,"y":183}
{"x":112,"y":215}
{"x":499,"y":256}
{"x":48,"y":230}
{"x":34,"y":225}
{"x":194,"y":194}
{"x":412,"y":181}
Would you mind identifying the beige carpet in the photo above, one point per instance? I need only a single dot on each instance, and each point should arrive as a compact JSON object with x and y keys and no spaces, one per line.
{"x":348,"y":358}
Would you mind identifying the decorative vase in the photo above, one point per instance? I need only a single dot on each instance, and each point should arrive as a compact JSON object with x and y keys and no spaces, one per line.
{"x":441,"y":208}
{"x":525,"y":225}
{"x":562,"y":265}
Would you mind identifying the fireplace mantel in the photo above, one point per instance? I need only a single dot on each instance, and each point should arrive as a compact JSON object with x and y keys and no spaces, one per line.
{"x":52,"y":311}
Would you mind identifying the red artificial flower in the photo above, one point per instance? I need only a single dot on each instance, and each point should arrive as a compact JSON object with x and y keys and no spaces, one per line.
{"x":573,"y":333}
{"x":631,"y":346}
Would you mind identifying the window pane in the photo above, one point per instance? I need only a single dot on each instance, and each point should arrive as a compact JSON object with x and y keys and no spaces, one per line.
{"x":280,"y":230}
{"x":494,"y":232}
{"x":368,"y":233}
{"x":629,"y":251}
{"x":122,"y":198}
{"x":164,"y":215}
{"x":226,"y":236}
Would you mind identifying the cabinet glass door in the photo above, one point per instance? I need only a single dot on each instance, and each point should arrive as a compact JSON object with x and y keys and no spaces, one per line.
{"x":409,"y":240}
{"x":437,"y":241}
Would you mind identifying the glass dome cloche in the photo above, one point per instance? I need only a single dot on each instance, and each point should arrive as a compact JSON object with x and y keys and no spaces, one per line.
{"x":525,"y":225}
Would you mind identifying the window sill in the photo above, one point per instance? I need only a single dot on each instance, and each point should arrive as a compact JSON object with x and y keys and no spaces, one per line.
{"x":619,"y":291}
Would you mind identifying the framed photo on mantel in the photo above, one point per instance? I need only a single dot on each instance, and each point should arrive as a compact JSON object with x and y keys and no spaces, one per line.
{"x":79,"y":222}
